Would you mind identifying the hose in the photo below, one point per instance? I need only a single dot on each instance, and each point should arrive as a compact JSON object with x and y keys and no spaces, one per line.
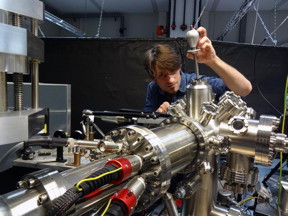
{"x":116,"y":209}
{"x":90,"y":186}
{"x":64,"y":202}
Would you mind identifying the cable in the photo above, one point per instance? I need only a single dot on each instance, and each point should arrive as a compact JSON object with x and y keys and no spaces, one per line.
{"x":255,"y":23}
{"x":95,"y":178}
{"x":198,"y":19}
{"x":107,"y":206}
{"x":100,"y":20}
{"x":245,"y":200}
{"x":281,"y":154}
{"x":257,"y":82}
{"x":263,"y":24}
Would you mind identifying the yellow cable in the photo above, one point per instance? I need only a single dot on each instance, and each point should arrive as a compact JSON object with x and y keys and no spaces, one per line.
{"x":107,"y":206}
{"x":281,"y":155}
{"x":95,"y":178}
{"x":245,"y":200}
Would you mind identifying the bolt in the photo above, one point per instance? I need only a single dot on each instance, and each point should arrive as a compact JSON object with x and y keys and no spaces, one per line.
{"x":31,"y":183}
{"x":180,"y":193}
{"x":130,"y":133}
{"x":154,"y":160}
{"x":42,"y":199}
{"x":21,"y":184}
{"x":148,"y":148}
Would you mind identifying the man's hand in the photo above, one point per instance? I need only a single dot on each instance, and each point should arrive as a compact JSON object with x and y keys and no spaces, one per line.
{"x":206,"y":53}
{"x":232,"y":78}
{"x":163,"y":108}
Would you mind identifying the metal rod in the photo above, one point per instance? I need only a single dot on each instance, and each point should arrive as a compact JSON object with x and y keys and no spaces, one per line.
{"x":3,"y":92}
{"x":35,"y":72}
{"x":196,"y":66}
{"x":170,"y":204}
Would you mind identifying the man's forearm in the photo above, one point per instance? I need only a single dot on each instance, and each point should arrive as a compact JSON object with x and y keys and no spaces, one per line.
{"x":232,"y":78}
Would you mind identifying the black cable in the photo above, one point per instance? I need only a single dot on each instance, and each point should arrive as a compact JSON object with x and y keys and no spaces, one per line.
{"x":255,"y":78}
{"x":64,"y":202}
{"x":199,"y":11}
{"x":72,"y":195}
{"x":184,"y":26}
{"x":90,"y":186}
{"x":194,"y":19}
{"x":173,"y":26}
{"x":116,"y":208}
{"x":272,"y":172}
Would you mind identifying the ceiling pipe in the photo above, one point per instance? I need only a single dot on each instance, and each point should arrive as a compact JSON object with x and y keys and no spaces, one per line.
{"x":168,"y":20}
{"x":199,"y":12}
{"x":173,"y":26}
{"x":194,"y":13}
{"x":184,"y":26}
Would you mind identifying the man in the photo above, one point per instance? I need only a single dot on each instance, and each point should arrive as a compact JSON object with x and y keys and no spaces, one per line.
{"x":169,"y":83}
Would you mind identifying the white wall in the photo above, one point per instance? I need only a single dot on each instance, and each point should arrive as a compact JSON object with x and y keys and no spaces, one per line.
{"x":144,"y":25}
{"x":137,"y":25}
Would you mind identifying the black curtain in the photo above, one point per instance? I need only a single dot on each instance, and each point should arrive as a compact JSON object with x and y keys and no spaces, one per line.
{"x":108,"y":74}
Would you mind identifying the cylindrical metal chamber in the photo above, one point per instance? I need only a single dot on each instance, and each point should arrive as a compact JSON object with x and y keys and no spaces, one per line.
{"x":198,"y":92}
{"x":180,"y":143}
{"x":239,"y":173}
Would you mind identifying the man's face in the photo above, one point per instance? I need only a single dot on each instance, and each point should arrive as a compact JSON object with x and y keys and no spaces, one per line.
{"x":169,"y":81}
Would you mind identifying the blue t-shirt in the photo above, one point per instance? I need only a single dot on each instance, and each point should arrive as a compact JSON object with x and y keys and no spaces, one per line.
{"x":155,"y":96}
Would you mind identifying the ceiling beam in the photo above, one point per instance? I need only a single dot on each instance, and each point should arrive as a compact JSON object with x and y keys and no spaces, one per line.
{"x":154,"y":6}
{"x":215,"y":5}
{"x":96,"y":4}
{"x":281,"y":3}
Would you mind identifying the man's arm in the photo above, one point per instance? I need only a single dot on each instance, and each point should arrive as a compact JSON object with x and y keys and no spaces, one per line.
{"x":232,"y":78}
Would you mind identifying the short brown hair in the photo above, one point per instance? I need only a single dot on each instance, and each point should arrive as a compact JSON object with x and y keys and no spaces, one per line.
{"x":162,"y":55}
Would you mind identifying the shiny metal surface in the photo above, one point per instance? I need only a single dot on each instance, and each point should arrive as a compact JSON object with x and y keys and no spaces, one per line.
{"x":239,"y":173}
{"x":186,"y":188}
{"x":284,"y":197}
{"x":201,"y":202}
{"x":29,"y":8}
{"x":137,"y":186}
{"x":35,"y":84}
{"x":74,"y":175}
{"x":3,"y":92}
{"x":35,"y":71}
{"x":170,"y":204}
{"x":47,"y":181}
{"x":13,"y":35}
{"x":20,"y":202}
{"x":18,"y":91}
{"x":198,"y":92}
{"x":181,"y":145}
{"x":4,"y":16}
{"x":41,"y":182}
{"x":230,"y":105}
{"x":21,"y":125}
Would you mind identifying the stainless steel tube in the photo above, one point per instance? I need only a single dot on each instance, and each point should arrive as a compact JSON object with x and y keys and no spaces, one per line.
{"x":3,"y":92}
{"x":35,"y":72}
{"x":180,"y":143}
